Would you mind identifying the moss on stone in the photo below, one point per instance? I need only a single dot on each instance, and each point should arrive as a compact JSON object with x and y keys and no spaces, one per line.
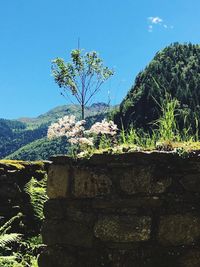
{"x":186,"y":147}
{"x":40,"y":164}
{"x":20,"y":165}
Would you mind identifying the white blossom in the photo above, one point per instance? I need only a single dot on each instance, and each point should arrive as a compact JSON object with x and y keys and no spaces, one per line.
{"x":86,"y":141}
{"x":104,"y":127}
{"x":75,"y":131}
{"x":66,"y":126}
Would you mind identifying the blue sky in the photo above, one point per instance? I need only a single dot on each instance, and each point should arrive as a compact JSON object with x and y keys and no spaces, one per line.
{"x":127,"y":34}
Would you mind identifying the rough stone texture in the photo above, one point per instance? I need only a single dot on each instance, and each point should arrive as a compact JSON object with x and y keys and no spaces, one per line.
{"x":58,"y":181}
{"x":135,"y":209}
{"x":89,"y":184}
{"x":67,"y":233}
{"x":179,"y":229}
{"x":123,"y":228}
{"x":191,"y":182}
{"x":57,"y":257}
{"x":191,"y":258}
{"x":142,"y":179}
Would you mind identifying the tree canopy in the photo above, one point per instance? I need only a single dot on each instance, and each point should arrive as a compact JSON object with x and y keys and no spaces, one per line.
{"x":174,"y":70}
{"x":82,"y":77}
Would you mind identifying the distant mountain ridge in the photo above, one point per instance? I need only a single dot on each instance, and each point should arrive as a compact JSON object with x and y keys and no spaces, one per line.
{"x":61,"y":111}
{"x":24,"y":134}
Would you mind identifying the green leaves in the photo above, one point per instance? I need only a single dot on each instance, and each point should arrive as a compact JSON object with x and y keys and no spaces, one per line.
{"x":64,"y":74}
{"x":82,"y":76}
{"x":167,"y":123}
{"x":175,"y":70}
{"x":7,"y":239}
{"x":83,"y":65}
{"x":77,"y":60}
{"x":37,"y":192}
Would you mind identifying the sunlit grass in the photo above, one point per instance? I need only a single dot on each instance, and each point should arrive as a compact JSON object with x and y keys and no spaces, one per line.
{"x":163,"y":135}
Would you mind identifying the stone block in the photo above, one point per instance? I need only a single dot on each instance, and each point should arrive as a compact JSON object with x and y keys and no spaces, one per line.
{"x":77,"y":215}
{"x":89,"y":183}
{"x":57,"y":232}
{"x":54,"y":209}
{"x":56,"y":257}
{"x":3,"y":178}
{"x":143,"y":179}
{"x":191,"y":258}
{"x":123,"y":228}
{"x":191,"y":182}
{"x":60,"y":209}
{"x":58,"y":181}
{"x":179,"y":229}
{"x":2,"y":171}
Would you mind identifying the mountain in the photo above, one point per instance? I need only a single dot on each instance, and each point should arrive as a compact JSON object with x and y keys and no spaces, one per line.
{"x":25,"y":138}
{"x":61,"y":111}
{"x":15,"y":134}
{"x":40,"y":149}
{"x":175,"y":71}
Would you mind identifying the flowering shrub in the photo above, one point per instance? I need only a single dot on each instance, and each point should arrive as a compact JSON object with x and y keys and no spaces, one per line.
{"x":104,"y":127}
{"x":66,"y":126}
{"x":78,"y":137}
{"x":74,"y":131}
{"x":81,"y":141}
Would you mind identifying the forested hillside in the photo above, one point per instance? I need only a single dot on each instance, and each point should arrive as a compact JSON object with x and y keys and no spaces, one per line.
{"x":175,"y":71}
{"x":14,"y":134}
{"x":41,"y":149}
{"x":25,"y":138}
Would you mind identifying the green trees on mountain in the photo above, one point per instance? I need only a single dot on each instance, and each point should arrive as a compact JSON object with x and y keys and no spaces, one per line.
{"x":41,"y":149}
{"x":27,"y":140}
{"x":14,"y":134}
{"x":174,"y":70}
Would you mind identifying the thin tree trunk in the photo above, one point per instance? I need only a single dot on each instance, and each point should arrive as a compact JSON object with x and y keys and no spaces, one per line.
{"x":83,"y":111}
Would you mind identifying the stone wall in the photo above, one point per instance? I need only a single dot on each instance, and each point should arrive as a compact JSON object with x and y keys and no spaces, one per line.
{"x":14,"y":175}
{"x":129,"y":210}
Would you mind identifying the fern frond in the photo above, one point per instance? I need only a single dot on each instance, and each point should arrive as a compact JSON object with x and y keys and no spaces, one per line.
{"x":7,"y":239}
{"x":37,"y":192}
{"x":7,"y":226}
{"x":7,"y":258}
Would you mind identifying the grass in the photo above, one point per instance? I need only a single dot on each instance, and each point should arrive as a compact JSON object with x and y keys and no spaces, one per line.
{"x":164,"y":134}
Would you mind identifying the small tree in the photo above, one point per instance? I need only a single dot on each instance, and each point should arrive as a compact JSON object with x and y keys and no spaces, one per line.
{"x":82,"y":77}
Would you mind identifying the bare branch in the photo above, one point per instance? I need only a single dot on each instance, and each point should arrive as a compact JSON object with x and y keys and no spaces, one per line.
{"x":67,"y":97}
{"x":94,"y":92}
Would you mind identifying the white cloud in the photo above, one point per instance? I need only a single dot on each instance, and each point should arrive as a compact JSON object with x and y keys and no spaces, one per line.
{"x":150,"y":28}
{"x":157,"y":21}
